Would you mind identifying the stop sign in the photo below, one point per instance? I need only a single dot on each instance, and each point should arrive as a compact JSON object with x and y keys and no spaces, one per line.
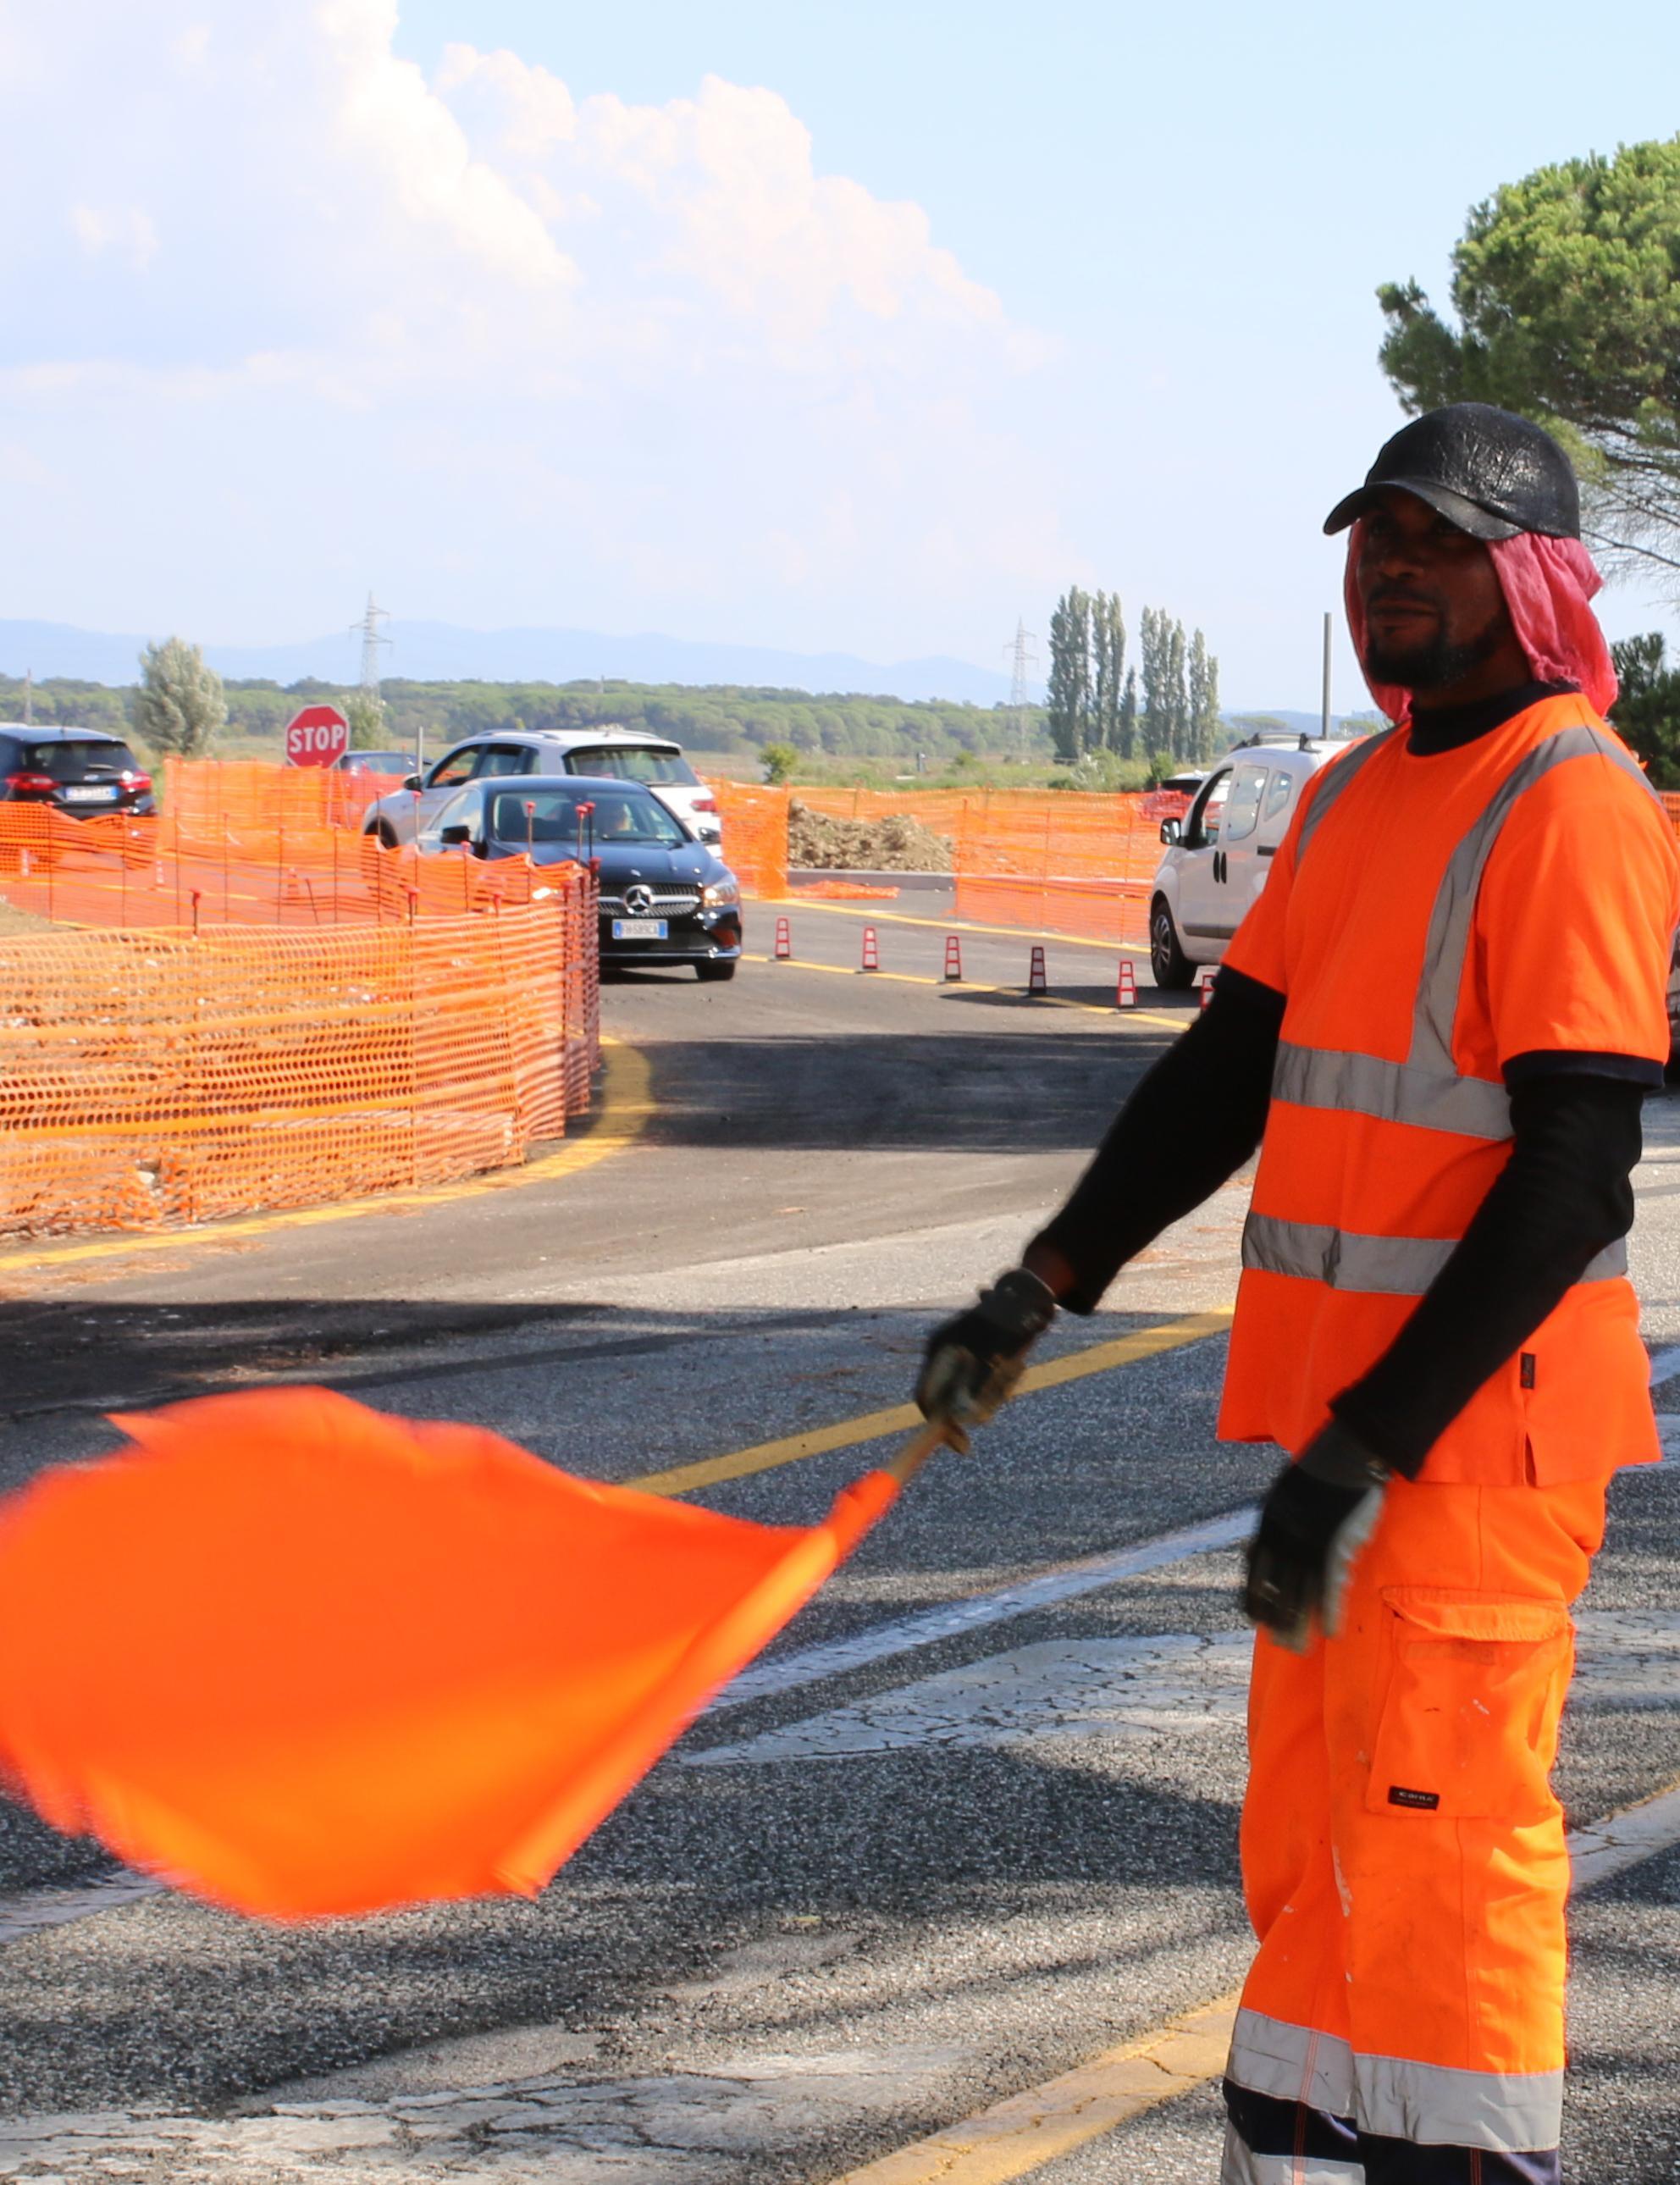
{"x":316,"y":736}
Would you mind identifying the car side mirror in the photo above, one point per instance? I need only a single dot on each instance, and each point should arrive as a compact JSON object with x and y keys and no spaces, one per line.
{"x":453,"y":838}
{"x":1172,"y":832}
{"x":412,"y":781}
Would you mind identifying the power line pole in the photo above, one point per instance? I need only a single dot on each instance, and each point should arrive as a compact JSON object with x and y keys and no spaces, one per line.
{"x":1021,"y":660}
{"x":29,"y":697}
{"x":371,"y":642}
{"x":371,"y":639}
{"x":1325,"y":726}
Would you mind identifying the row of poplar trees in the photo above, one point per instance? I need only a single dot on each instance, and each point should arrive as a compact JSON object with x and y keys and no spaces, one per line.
{"x":1165,"y":707}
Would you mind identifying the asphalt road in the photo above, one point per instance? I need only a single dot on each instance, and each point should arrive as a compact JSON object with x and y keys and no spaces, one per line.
{"x":972,"y":1823}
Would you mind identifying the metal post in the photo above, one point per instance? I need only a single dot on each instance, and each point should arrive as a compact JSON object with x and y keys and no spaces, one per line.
{"x":1325,"y":731}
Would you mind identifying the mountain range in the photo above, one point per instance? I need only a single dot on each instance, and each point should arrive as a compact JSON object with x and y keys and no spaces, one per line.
{"x":438,"y":651}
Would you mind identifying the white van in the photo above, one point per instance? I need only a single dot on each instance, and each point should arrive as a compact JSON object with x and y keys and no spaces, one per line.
{"x":624,"y":753}
{"x":1219,"y":854}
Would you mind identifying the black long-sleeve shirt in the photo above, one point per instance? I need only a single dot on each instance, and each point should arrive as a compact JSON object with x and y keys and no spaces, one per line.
{"x":1563,"y":1196}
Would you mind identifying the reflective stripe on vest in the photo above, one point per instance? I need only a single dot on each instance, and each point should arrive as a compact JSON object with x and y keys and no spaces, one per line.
{"x":1392,"y":2097}
{"x":1426,"y":1091}
{"x":1388,"y":1267}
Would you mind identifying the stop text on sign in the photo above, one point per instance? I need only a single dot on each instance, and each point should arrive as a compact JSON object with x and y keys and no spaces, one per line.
{"x":316,"y":736}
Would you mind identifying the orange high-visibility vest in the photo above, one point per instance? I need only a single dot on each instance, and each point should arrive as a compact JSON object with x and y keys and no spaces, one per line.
{"x":1431,"y":921}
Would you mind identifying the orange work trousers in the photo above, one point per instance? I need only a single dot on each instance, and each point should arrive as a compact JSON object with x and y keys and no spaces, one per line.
{"x":1403,"y":1857}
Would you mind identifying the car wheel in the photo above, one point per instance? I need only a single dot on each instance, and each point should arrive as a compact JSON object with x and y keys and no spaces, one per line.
{"x":714,"y":973}
{"x":1171,"y":969}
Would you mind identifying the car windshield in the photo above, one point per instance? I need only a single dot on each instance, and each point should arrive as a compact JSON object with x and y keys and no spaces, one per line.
{"x":634,"y":762}
{"x":74,"y":762}
{"x":621,"y":815}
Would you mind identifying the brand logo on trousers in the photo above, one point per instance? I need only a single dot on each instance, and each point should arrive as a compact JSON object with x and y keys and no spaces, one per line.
{"x":1424,"y":1801}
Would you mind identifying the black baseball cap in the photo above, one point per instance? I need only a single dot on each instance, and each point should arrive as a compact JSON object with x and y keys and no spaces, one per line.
{"x":1489,"y":472}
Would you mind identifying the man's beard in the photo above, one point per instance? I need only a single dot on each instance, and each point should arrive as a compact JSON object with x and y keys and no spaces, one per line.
{"x":1433,"y":663}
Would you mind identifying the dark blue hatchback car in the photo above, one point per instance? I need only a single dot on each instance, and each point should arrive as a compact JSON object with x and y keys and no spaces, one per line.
{"x":665,"y":898}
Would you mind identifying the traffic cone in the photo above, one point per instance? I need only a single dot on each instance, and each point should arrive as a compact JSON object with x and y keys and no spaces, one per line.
{"x":784,"y":941}
{"x":1205,"y":980}
{"x":872,"y":954}
{"x":1036,"y":981}
{"x":953,"y":957}
{"x":1125,"y":987}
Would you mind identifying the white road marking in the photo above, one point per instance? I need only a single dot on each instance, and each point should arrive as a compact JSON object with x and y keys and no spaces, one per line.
{"x":1065,"y":1582}
{"x":1627,"y":1838}
{"x":30,"y":1910}
{"x":1665,"y":1364}
{"x":1170,"y":1685}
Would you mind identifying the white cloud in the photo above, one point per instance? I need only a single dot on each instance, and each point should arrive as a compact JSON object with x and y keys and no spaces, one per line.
{"x":549,"y":359}
{"x":125,"y":231}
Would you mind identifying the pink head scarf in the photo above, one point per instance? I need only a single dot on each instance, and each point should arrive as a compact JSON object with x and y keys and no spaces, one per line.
{"x":1548,"y":585}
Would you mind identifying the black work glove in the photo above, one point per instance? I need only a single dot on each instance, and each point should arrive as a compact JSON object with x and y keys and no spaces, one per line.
{"x":1319,"y":1514}
{"x":974,"y":1360}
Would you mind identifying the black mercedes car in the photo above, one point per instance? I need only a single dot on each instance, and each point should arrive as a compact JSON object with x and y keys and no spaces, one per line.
{"x":665,"y":898}
{"x":81,"y":772}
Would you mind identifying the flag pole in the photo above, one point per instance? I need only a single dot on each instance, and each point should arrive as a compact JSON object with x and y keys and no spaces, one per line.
{"x":917,"y":1451}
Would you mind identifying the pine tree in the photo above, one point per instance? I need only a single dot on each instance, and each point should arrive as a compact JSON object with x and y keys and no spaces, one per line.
{"x":1126,"y":741}
{"x":1068,"y":691}
{"x":1154,"y":640}
{"x":1178,"y":695}
{"x":180,"y":704}
{"x":1111,"y":643}
{"x":1103,"y":690}
{"x":1204,"y":699}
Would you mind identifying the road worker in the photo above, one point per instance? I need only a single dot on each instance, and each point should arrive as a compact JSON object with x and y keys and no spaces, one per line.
{"x":1437,"y":1023}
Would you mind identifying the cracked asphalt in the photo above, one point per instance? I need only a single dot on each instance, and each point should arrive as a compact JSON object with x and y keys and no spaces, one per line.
{"x":809,"y":1948}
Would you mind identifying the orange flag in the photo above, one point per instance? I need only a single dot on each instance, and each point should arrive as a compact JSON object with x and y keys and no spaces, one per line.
{"x":301,"y":1658}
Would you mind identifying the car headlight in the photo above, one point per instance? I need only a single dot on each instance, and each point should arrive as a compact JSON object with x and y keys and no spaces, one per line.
{"x":720,"y":894}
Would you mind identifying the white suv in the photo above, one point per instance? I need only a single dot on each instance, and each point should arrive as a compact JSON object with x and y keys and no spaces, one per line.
{"x":1219,"y":854}
{"x":624,"y":753}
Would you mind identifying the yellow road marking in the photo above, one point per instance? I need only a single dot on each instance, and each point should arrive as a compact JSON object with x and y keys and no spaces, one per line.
{"x":1024,"y":2131}
{"x":798,"y":902}
{"x":870,"y":1426}
{"x":977,"y":986}
{"x":1028,"y":2130}
{"x":626,"y":1108}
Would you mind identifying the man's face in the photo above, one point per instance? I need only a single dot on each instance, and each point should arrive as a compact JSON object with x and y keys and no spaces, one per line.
{"x":1434,"y":611}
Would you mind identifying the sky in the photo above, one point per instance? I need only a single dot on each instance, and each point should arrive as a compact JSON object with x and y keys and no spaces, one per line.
{"x":864,"y":327}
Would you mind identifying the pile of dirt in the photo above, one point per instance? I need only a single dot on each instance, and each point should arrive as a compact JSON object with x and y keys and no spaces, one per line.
{"x":894,"y":844}
{"x":14,"y":920}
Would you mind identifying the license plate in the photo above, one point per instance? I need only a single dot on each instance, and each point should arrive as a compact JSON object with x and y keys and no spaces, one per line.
{"x":639,"y":929}
{"x":91,"y":796}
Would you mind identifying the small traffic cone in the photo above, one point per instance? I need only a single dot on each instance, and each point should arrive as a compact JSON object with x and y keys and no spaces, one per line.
{"x":953,"y":957}
{"x":1125,"y":987}
{"x":784,"y":941}
{"x":872,"y":954}
{"x":1036,"y":981}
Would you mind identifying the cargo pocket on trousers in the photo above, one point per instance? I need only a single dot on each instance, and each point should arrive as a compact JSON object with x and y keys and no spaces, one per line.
{"x":1469,"y":1727}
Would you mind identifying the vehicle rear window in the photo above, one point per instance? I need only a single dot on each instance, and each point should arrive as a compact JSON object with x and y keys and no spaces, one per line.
{"x":74,"y":762}
{"x":634,"y":762}
{"x":621,"y":815}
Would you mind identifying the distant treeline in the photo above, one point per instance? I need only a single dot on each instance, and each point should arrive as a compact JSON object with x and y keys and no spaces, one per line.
{"x":716,"y":717}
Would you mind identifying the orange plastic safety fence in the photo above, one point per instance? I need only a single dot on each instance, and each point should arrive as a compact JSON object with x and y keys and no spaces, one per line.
{"x":150,"y":1078}
{"x":1063,"y":862}
{"x":1670,"y":805}
{"x":755,"y":846}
